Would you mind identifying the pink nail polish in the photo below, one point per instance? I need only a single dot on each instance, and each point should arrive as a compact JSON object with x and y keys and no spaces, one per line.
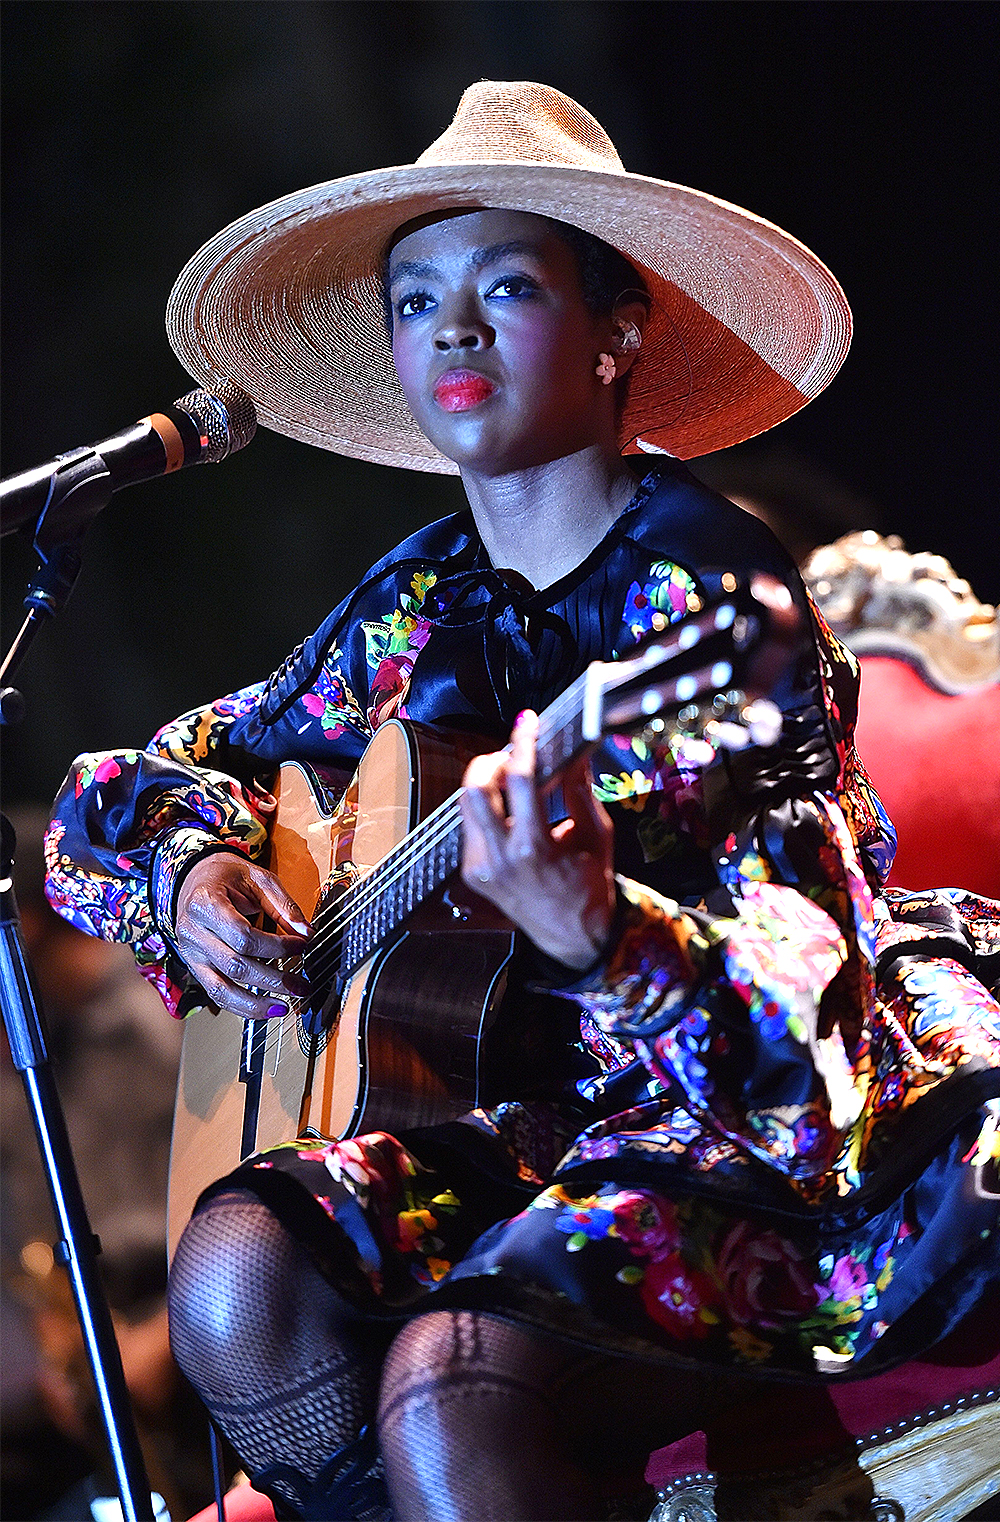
{"x":274,"y":1011}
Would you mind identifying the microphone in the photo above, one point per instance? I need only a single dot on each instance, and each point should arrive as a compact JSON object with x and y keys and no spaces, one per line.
{"x":199,"y":429}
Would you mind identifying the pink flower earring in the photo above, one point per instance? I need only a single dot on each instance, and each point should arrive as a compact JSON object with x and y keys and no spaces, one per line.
{"x":628,"y":340}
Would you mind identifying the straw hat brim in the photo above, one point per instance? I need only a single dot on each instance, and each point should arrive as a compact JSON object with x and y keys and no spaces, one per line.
{"x":747,"y":325}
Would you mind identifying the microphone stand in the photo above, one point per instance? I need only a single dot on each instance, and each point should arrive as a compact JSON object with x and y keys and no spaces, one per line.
{"x":80,"y":489}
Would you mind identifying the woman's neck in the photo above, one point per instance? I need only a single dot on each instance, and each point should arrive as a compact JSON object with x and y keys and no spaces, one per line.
{"x":544,"y":521}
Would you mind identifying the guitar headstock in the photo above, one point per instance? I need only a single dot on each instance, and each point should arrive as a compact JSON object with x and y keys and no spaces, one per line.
{"x":701,"y":684}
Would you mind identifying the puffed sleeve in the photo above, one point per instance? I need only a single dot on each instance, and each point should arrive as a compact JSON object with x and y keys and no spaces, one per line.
{"x":783,"y":999}
{"x":126,"y":825}
{"x":804,"y":1014}
{"x":727,"y":1008}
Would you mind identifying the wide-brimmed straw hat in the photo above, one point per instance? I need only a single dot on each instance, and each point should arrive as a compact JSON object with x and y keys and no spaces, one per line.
{"x":746,"y":325}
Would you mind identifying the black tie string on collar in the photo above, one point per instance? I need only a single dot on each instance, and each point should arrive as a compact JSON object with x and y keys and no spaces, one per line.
{"x":530,"y":653}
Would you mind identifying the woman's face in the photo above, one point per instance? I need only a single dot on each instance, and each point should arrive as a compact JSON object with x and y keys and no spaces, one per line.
{"x":494,"y":345}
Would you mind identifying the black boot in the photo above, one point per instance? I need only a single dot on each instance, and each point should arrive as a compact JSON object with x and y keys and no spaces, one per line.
{"x":350,"y":1487}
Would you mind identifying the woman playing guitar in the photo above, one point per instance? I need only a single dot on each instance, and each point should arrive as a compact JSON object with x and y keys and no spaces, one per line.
{"x":749,"y":1138}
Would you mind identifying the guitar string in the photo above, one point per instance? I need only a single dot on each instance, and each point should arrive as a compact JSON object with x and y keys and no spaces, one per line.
{"x":395,"y":865}
{"x":450,"y":817}
{"x":420,"y":837}
{"x":390,"y":871}
{"x":429,"y":834}
{"x":438,"y":825}
{"x":447,"y":824}
{"x":422,"y":843}
{"x":424,"y":839}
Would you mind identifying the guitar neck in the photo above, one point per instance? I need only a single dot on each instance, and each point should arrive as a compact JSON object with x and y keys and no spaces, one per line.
{"x":685,"y":668}
{"x":429,"y":855}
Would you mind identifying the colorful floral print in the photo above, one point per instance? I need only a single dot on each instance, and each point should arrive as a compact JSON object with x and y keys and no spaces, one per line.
{"x":408,"y":1237}
{"x":392,"y":648}
{"x":780,"y":957}
{"x":102,"y":767}
{"x":670,"y":984}
{"x":135,"y":905}
{"x":95,"y":903}
{"x":740,"y":1290}
{"x":196,"y":736}
{"x":661,"y":599}
{"x":628,"y":788}
{"x":764,"y":1279}
{"x":331,"y":702}
{"x":762,"y":1058}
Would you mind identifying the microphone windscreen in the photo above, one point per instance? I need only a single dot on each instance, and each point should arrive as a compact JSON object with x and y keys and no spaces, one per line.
{"x":225,"y":419}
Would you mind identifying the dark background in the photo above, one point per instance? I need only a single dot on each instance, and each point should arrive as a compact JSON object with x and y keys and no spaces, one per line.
{"x":134,"y":131}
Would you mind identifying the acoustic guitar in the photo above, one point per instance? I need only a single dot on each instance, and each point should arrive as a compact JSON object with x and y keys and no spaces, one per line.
{"x":408,"y":967}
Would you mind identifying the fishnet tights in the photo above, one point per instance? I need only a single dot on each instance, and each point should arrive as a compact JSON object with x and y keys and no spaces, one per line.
{"x":481,"y":1421}
{"x":265,"y":1341}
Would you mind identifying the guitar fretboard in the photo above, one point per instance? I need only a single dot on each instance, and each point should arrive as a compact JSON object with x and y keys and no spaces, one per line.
{"x":372,"y":910}
{"x":690,"y":660}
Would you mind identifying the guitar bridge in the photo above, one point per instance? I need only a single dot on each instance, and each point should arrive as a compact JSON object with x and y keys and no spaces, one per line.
{"x":252,"y":1050}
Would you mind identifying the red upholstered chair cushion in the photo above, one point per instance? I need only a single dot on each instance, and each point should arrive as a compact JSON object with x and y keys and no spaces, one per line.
{"x":790,"y":1425}
{"x":935,"y":763}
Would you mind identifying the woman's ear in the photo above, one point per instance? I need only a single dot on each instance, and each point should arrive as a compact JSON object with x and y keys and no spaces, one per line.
{"x":628,"y":321}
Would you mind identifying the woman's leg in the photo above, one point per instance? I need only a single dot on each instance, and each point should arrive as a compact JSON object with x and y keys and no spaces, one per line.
{"x":472,"y":1425}
{"x":268,"y":1343}
{"x":481,"y":1419}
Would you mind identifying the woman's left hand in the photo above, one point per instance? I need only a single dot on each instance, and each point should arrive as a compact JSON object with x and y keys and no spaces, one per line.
{"x":555,"y":883}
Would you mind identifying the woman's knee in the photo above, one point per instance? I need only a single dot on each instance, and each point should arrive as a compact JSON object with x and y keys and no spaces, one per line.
{"x":231,"y":1275}
{"x":425,"y":1350}
{"x":442,"y":1352}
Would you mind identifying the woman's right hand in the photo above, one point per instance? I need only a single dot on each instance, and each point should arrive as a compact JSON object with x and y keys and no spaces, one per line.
{"x":219,"y":898}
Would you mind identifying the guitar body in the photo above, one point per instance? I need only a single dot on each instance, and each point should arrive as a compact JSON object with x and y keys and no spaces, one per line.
{"x":405,"y":1040}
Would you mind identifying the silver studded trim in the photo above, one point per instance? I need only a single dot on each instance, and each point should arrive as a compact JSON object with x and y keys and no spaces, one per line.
{"x":710,"y":1479}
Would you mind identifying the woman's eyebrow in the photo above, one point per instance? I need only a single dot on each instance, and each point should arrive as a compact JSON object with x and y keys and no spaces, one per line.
{"x":479,"y":258}
{"x":410,"y":269}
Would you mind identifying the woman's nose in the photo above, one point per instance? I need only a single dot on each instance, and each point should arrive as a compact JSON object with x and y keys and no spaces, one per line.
{"x":463,"y":330}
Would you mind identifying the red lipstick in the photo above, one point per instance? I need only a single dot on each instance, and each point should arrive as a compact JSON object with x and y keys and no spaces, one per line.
{"x":460,"y":390}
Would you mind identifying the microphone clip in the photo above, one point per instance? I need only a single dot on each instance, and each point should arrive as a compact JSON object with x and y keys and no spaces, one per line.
{"x":79,"y":488}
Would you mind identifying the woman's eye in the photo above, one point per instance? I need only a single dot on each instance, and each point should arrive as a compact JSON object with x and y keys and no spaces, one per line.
{"x":414,"y":305}
{"x":514,"y":285}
